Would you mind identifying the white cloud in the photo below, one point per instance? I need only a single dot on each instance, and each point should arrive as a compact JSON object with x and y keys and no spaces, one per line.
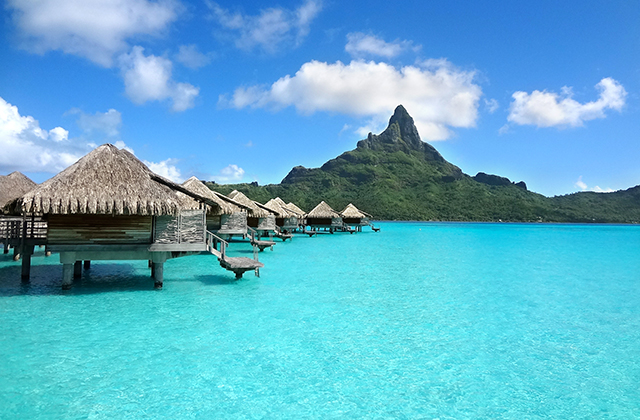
{"x":58,"y":134}
{"x":580,"y":184}
{"x":436,"y":94}
{"x":360,"y":45}
{"x":101,"y":123}
{"x":584,"y":187}
{"x":549,"y":109}
{"x":27,"y":147}
{"x":492,"y":105}
{"x":148,"y":78}
{"x":232,"y":173}
{"x":190,"y":56}
{"x":166,"y":168}
{"x":94,"y":29}
{"x":271,"y":28}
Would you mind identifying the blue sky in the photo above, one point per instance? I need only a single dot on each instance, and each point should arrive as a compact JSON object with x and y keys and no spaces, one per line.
{"x":546,"y":92}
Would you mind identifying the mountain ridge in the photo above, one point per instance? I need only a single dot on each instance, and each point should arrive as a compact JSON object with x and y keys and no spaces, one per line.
{"x":396,"y":176}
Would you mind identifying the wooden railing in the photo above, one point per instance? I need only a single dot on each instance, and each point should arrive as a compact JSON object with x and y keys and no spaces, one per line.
{"x":212,"y":243}
{"x":22,"y":228}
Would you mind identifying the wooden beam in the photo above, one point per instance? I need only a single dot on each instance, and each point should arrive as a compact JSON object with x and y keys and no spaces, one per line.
{"x":77,"y":269}
{"x":158,"y":274}
{"x":67,"y":276}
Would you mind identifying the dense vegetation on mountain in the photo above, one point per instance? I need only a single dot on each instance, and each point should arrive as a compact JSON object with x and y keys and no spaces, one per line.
{"x":396,"y":176}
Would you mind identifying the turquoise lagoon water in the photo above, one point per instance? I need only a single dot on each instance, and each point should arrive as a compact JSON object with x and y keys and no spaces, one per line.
{"x":421,"y":320}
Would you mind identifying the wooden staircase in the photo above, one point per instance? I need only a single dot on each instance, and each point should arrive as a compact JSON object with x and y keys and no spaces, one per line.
{"x":239,"y":265}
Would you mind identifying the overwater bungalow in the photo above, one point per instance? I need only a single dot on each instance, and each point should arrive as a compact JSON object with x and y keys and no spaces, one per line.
{"x":355,"y":218}
{"x":226,"y":220}
{"x":260,"y":218}
{"x":110,"y":206}
{"x":324,"y":217}
{"x":12,"y":229}
{"x":13,"y":186}
{"x":286,"y":219}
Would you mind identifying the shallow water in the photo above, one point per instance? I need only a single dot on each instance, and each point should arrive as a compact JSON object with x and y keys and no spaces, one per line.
{"x":421,"y":320}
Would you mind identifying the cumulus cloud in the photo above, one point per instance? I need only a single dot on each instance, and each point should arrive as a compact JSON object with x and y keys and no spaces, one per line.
{"x":232,"y":173}
{"x":148,"y":78}
{"x":94,"y":29}
{"x":360,"y":45}
{"x":167,"y":169}
{"x":580,"y":184}
{"x":27,"y":147}
{"x":191,"y":57}
{"x":436,"y":94}
{"x":550,"y":109}
{"x":101,"y":124}
{"x":492,"y":105}
{"x":269,"y":29}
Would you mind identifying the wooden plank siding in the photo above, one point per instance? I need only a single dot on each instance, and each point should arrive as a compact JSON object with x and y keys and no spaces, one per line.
{"x":99,"y":229}
{"x":187,"y":227}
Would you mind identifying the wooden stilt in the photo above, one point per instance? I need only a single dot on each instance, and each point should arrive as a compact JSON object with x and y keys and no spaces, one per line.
{"x":158,"y":271}
{"x":26,"y":263}
{"x":77,"y":269}
{"x":87,"y":264}
{"x":67,"y":276}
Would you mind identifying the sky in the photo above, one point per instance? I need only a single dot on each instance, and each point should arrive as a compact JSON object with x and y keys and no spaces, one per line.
{"x":544,"y":92}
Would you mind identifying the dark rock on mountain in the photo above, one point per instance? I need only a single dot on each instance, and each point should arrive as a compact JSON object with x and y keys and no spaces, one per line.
{"x":494,"y":180}
{"x":401,"y":135}
{"x":497,"y":181}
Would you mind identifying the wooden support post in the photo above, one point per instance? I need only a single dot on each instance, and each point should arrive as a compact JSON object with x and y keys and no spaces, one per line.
{"x":77,"y":269}
{"x":16,"y":253}
{"x":87,"y":264}
{"x":67,"y":276}
{"x":47,"y":253}
{"x":158,"y":274}
{"x":26,"y":262}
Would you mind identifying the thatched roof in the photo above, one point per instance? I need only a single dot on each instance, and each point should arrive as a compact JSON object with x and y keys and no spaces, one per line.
{"x":107,"y":181}
{"x":352,"y":212}
{"x":13,"y":186}
{"x":295,"y":209}
{"x":322,"y":211}
{"x":279,"y":206}
{"x":225,"y":205}
{"x":257,"y":209}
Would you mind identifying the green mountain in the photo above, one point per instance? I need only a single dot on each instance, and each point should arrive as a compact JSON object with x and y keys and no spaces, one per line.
{"x":397,"y":176}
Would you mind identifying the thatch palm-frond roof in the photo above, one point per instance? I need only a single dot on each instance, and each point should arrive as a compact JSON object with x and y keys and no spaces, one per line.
{"x":257,"y":209}
{"x":322,"y":211}
{"x":107,"y":181}
{"x":13,"y":186}
{"x":352,"y":212}
{"x":295,"y":209}
{"x":225,"y":205}
{"x":277,"y":205}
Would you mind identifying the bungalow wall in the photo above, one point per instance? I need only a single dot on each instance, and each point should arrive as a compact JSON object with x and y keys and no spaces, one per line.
{"x":186,"y":228}
{"x":355,"y":221}
{"x":324,"y":222}
{"x":267,"y":223}
{"x":99,"y":229}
